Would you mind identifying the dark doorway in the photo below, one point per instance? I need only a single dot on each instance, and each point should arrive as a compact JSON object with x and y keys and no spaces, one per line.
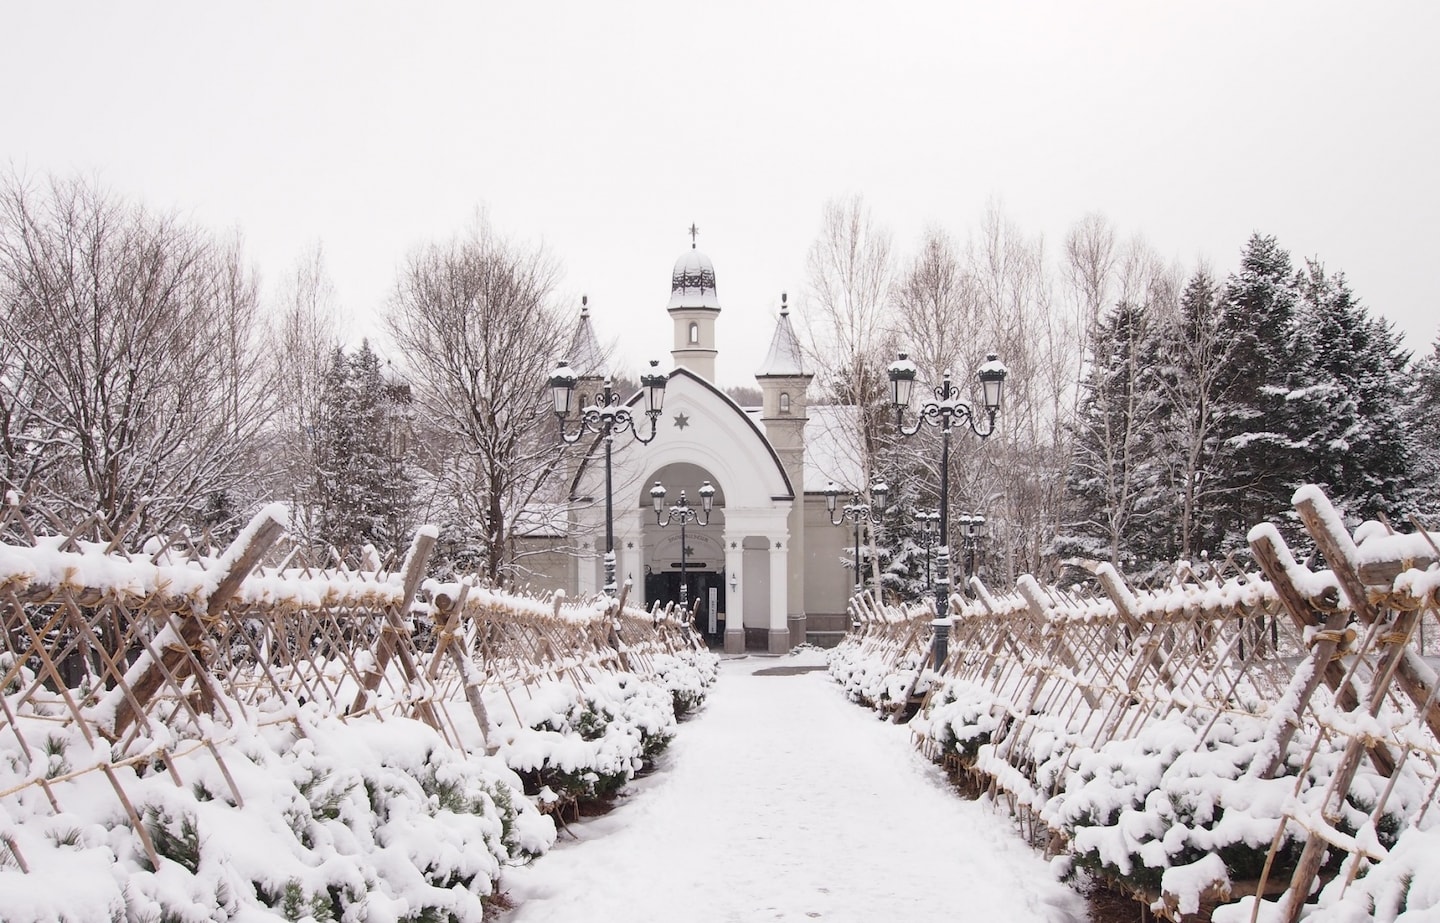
{"x":664,"y":588}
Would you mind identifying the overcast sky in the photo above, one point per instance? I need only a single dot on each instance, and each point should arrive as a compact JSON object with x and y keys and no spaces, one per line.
{"x":603,"y":130}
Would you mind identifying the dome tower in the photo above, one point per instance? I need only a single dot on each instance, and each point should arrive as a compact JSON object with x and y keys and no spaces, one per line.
{"x":693,"y":309}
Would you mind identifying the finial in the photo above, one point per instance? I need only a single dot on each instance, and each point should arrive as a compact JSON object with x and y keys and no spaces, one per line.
{"x":784,"y":308}
{"x":694,"y":231}
{"x":584,"y":306}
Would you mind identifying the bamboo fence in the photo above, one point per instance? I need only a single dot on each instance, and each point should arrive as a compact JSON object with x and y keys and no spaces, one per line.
{"x":1330,"y":656}
{"x":168,"y":653}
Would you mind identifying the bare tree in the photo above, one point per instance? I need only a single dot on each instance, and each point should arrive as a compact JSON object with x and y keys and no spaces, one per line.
{"x":849,"y":274}
{"x":305,"y":335}
{"x":848,"y":326}
{"x":937,"y":307}
{"x":1089,"y":267}
{"x":1144,"y":278}
{"x":1193,"y":387}
{"x":473,"y":320}
{"x":1089,"y":271}
{"x":133,"y":385}
{"x":1114,"y":468}
{"x":1017,"y":476}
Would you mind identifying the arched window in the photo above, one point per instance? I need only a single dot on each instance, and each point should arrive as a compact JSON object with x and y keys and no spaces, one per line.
{"x":694,"y":333}
{"x":784,"y":401}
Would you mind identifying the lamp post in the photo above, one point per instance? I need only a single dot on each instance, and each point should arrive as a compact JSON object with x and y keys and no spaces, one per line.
{"x":928,"y":519}
{"x":683,"y":513}
{"x":973,"y":530}
{"x":606,"y":416}
{"x":857,"y":512}
{"x":945,"y":410}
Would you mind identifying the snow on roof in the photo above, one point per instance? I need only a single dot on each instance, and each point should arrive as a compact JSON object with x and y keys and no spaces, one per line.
{"x":692,"y":284}
{"x":832,"y":450}
{"x":784,"y":357}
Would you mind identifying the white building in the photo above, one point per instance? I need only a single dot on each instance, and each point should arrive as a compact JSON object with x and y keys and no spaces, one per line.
{"x":768,"y":571}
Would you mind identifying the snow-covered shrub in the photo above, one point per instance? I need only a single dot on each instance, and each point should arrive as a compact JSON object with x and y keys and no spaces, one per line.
{"x":584,"y":743}
{"x":959,"y":718}
{"x":688,"y":675}
{"x":869,"y":680}
{"x":363,"y":821}
{"x":1150,"y":812}
{"x":1403,"y":888}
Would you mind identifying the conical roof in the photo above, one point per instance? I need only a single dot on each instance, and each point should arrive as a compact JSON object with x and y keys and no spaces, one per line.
{"x":585,"y":355}
{"x":785,"y":357}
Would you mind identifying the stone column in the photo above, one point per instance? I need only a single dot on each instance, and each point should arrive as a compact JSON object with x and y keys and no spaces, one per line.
{"x":588,"y":565}
{"x":796,"y":548}
{"x":626,"y":538}
{"x":779,"y":641}
{"x":735,"y":598}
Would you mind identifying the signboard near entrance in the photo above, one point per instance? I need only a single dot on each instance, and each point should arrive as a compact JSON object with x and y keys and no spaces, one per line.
{"x":714,"y":601}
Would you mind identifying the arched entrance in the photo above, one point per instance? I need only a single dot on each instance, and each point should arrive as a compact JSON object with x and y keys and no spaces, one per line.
{"x":704,"y":436}
{"x":700,"y":564}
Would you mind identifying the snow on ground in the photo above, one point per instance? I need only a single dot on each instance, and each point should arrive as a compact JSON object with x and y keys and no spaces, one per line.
{"x":780,"y":800}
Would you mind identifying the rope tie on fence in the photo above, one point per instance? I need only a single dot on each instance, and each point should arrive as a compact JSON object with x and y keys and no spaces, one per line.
{"x":178,"y":645}
{"x":211,"y":620}
{"x":1342,"y":638}
{"x":1402,"y":602}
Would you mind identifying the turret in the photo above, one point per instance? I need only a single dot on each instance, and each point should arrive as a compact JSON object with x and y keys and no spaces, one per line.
{"x":694,"y":309}
{"x":783,"y":385}
{"x":783,"y":382}
{"x":584,"y":354}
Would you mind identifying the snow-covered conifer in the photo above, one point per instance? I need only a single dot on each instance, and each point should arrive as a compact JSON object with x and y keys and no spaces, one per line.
{"x":362,"y":480}
{"x":1265,"y":412}
{"x":1359,"y":450}
{"x":1422,"y":423}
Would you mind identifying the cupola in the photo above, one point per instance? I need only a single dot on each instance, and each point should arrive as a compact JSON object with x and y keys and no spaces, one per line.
{"x":694,"y":308}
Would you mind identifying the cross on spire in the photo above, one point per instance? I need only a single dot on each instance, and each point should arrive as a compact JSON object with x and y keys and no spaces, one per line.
{"x":693,"y":232}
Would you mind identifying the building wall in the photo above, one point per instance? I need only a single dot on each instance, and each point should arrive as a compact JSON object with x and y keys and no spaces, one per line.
{"x":547,"y":565}
{"x":828,"y":583}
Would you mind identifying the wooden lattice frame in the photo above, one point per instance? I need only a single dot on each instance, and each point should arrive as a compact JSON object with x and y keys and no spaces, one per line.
{"x":123,"y":645}
{"x":1104,"y":663}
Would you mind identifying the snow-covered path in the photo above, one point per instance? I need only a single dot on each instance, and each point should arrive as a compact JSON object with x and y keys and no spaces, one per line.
{"x":782,"y":801}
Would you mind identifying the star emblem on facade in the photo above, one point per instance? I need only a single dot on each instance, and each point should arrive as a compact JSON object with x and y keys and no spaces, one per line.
{"x":681,"y":421}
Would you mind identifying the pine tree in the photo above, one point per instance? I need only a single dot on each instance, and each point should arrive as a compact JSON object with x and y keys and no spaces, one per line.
{"x":1359,"y":452}
{"x":1422,"y":427}
{"x":1267,"y":411}
{"x":898,"y":541}
{"x":362,"y":481}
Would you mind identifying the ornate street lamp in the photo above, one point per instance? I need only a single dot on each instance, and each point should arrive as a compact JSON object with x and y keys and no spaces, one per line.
{"x":683,"y":513}
{"x":973,"y":530}
{"x":928,"y":519}
{"x":607,"y":417}
{"x":857,"y":511}
{"x":946,"y":410}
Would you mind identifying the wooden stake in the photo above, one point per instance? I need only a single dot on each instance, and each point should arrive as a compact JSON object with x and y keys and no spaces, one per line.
{"x":176,"y":661}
